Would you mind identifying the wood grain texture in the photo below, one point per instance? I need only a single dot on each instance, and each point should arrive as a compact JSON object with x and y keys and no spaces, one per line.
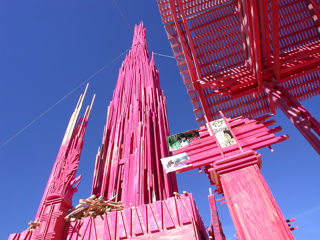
{"x":252,"y":206}
{"x":128,"y":162}
{"x":173,"y":218}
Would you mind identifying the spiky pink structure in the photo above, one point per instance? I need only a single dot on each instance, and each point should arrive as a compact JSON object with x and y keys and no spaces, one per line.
{"x":57,"y":198}
{"x":128,"y":163}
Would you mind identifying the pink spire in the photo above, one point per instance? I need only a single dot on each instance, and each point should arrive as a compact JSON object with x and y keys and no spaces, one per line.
{"x":128,"y":163}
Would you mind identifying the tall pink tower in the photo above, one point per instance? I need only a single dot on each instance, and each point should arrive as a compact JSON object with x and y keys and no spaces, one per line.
{"x":128,"y":172}
{"x":128,"y":164}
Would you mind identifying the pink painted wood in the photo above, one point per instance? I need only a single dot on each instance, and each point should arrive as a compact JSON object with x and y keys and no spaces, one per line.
{"x":253,"y":209}
{"x":216,"y":228}
{"x":128,"y":163}
{"x":251,"y":135}
{"x":144,"y":223}
{"x":62,"y":184}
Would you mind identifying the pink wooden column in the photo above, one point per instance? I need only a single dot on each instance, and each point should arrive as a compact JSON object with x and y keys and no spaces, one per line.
{"x":253,"y":209}
{"x":215,"y":231}
{"x":128,"y":163}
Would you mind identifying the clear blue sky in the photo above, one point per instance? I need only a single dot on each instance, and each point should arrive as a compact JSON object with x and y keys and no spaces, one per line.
{"x":47,"y":48}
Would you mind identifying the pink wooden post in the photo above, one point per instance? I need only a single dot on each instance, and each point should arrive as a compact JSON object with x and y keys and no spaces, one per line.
{"x":216,"y":227}
{"x":235,"y":170}
{"x":253,"y":209}
{"x":128,"y":162}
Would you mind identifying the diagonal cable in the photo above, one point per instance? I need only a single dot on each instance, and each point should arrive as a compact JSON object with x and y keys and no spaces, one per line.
{"x":63,"y":99}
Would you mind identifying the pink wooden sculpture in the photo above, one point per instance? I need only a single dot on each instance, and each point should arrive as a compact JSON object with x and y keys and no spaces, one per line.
{"x":173,"y":218}
{"x":49,"y":222}
{"x":128,"y":168}
{"x":128,"y":163}
{"x":235,"y":170}
{"x":230,"y":54}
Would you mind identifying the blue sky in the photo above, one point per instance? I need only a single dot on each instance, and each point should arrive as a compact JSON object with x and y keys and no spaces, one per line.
{"x":47,"y":49}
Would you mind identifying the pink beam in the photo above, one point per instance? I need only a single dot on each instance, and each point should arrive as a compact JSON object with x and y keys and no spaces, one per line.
{"x":253,"y":19}
{"x":253,"y":209}
{"x":297,"y":114}
{"x":215,"y":221}
{"x":275,"y":38}
{"x":195,"y":73}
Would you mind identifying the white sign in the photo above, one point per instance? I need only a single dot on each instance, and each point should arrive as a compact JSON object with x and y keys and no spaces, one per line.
{"x":222,"y":133}
{"x":174,"y":163}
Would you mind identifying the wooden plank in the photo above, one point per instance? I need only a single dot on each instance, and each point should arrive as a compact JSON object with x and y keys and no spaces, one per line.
{"x":255,"y":213}
{"x":183,"y":215}
{"x":168,"y":222}
{"x":121,"y":231}
{"x":136,"y":223}
{"x":152,"y":223}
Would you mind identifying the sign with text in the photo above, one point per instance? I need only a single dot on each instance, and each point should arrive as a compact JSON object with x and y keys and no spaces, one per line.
{"x":174,"y":163}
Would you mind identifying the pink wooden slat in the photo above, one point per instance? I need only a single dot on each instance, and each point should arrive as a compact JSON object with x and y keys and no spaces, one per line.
{"x":86,"y":228}
{"x":136,"y":222}
{"x":121,"y":231}
{"x":159,"y":210}
{"x":152,"y":223}
{"x":112,"y":219}
{"x":99,"y":226}
{"x":14,"y":236}
{"x":168,"y":222}
{"x":184,"y":218}
{"x":127,"y":214}
{"x":142,"y":209}
{"x":106,"y":231}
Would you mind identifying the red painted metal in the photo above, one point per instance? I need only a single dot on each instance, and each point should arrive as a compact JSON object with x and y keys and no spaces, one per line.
{"x":128,"y":163}
{"x":236,"y":47}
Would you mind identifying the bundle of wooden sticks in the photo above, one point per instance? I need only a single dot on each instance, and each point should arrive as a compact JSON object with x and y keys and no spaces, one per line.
{"x":93,"y":206}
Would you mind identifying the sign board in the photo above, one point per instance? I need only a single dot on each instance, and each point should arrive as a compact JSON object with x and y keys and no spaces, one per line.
{"x":174,"y":163}
{"x":182,"y":140}
{"x":222,"y":133}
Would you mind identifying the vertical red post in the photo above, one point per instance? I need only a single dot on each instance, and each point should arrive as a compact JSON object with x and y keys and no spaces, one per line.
{"x":253,"y":209}
{"x":215,"y":221}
